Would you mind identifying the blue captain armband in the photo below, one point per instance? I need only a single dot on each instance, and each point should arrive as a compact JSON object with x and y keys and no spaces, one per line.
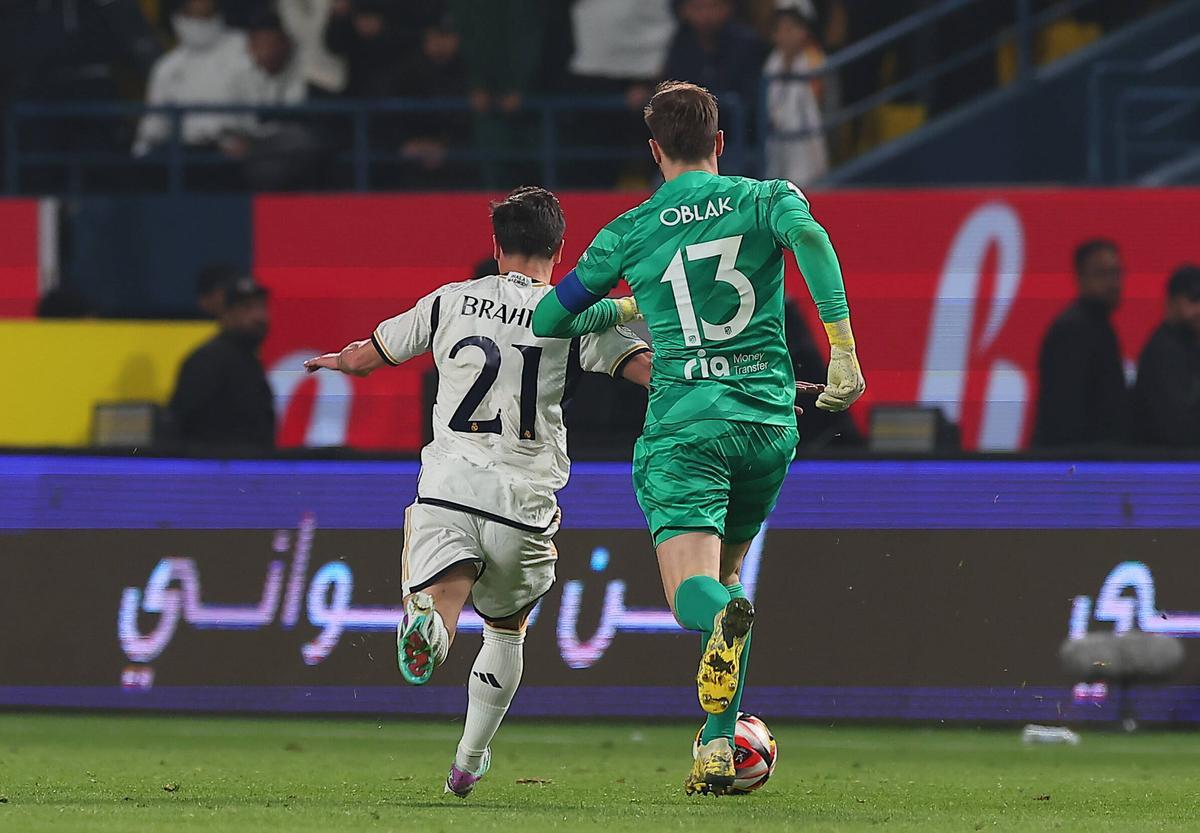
{"x":573,"y":295}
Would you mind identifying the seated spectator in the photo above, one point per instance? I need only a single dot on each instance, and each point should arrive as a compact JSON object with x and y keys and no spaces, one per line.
{"x":275,"y":153}
{"x":620,"y":50}
{"x":222,"y":399}
{"x":716,"y":51}
{"x":1082,"y":397}
{"x":367,"y":34}
{"x":274,"y":75}
{"x":305,"y":21}
{"x":435,"y":71}
{"x":620,"y":47}
{"x":1167,"y":393}
{"x":502,"y":47}
{"x":793,"y":106}
{"x":200,"y":70}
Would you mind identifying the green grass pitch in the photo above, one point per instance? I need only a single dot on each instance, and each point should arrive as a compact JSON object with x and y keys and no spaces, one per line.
{"x":128,"y":774}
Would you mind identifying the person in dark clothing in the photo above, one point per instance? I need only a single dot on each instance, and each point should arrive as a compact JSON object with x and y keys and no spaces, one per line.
{"x":373,"y":38}
{"x":222,"y":400}
{"x":1167,"y":393}
{"x":716,"y":51}
{"x":210,"y":283}
{"x":1082,"y":397}
{"x":436,"y":70}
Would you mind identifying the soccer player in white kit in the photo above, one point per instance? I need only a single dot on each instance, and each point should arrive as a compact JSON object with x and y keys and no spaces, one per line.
{"x":485,"y":514}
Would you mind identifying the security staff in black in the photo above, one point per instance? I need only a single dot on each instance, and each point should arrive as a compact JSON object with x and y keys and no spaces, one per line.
{"x":222,"y":401}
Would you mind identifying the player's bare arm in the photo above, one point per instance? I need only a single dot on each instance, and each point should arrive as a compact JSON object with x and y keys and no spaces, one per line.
{"x":358,"y":358}
{"x":637,"y":369}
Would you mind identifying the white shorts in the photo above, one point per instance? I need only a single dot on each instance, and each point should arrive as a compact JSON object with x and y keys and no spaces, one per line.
{"x":515,"y":567}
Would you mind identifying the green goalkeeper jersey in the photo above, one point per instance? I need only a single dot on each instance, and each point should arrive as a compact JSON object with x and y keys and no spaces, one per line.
{"x":704,"y":257}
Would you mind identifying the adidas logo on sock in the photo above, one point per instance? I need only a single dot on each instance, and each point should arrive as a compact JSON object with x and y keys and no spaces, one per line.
{"x":488,"y":678}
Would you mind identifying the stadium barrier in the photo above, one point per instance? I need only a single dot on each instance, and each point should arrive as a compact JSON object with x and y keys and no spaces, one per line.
{"x":887,"y":590}
{"x":951,"y":292}
{"x":62,"y":369}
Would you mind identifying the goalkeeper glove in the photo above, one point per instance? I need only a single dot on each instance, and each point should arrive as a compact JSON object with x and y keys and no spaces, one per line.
{"x":845,"y":383}
{"x":628,"y":308}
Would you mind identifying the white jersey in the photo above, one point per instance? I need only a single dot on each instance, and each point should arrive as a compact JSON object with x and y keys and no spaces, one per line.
{"x":499,"y":444}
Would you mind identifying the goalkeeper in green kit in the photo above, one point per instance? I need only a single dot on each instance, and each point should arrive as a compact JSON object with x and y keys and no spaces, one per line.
{"x":704,"y":256}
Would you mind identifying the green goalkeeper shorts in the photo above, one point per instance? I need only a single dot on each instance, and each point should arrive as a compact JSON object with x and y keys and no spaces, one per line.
{"x":711,"y":475}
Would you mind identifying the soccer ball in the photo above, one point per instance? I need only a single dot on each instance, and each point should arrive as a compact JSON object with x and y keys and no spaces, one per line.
{"x":755,"y":753}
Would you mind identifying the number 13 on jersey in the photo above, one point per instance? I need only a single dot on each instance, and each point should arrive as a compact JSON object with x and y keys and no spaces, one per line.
{"x":696,"y":330}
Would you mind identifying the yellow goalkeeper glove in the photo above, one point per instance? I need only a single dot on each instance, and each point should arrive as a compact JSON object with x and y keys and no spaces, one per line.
{"x":845,"y":383}
{"x":628,"y":307}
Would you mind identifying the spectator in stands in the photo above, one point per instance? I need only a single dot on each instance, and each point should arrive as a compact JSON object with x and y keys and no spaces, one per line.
{"x":210,"y":285}
{"x":436,"y":70}
{"x":369,"y":36}
{"x":793,"y":106}
{"x":1167,"y":394}
{"x":502,"y":47}
{"x":200,"y":70}
{"x":274,"y":152}
{"x":1082,"y":397}
{"x":714,"y":50}
{"x":66,"y":50}
{"x":620,"y":50}
{"x":222,"y":401}
{"x":305,"y":21}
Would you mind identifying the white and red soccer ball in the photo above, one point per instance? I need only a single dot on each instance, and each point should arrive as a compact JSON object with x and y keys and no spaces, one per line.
{"x":755,"y":753}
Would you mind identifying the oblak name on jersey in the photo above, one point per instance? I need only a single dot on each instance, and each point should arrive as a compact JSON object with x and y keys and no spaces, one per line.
{"x":691,"y":213}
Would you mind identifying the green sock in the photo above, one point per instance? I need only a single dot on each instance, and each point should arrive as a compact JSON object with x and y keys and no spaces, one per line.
{"x":723,"y":724}
{"x":697,"y":602}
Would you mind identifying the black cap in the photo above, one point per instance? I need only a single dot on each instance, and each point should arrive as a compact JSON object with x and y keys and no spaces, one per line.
{"x":215,"y":277}
{"x":1185,"y":283}
{"x":244,"y":288}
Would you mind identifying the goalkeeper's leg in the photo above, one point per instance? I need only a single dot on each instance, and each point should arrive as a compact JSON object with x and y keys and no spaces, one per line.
{"x":723,"y":725}
{"x":690,"y":563}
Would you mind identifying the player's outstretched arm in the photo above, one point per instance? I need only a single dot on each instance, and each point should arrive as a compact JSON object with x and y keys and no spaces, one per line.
{"x":572,"y":310}
{"x":794,"y":226}
{"x":358,"y":358}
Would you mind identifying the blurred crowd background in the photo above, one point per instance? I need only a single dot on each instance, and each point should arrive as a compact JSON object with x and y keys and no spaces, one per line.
{"x":480,"y":67}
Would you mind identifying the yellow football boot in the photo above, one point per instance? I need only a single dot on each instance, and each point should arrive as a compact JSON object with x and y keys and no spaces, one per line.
{"x":720,"y":666}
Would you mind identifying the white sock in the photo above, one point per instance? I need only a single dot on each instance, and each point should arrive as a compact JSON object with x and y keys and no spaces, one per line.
{"x":494,"y":680}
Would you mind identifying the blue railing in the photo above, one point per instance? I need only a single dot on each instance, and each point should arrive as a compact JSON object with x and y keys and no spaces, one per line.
{"x":356,"y":146}
{"x":1142,"y":118}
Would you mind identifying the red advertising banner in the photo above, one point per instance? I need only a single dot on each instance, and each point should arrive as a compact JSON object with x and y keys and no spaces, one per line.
{"x":18,"y":258}
{"x":951,"y":291}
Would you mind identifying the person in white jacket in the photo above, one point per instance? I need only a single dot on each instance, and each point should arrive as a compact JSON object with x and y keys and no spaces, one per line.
{"x":276,"y":149}
{"x":201,"y":70}
{"x":793,"y":105}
